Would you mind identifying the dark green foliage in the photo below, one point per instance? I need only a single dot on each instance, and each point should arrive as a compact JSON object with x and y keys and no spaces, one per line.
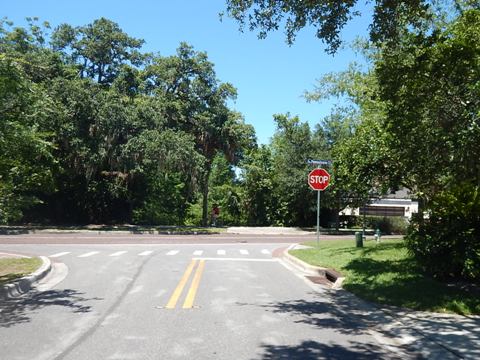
{"x":274,"y":178}
{"x":156,"y":208}
{"x":25,"y":151}
{"x":430,"y":85}
{"x":447,"y":241}
{"x":99,"y":49}
{"x":387,"y":225}
{"x":91,"y":133}
{"x":418,"y":127}
{"x":258,"y":203}
{"x":327,"y":17}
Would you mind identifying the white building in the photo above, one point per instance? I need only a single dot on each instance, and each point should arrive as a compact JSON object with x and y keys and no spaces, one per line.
{"x":397,"y":203}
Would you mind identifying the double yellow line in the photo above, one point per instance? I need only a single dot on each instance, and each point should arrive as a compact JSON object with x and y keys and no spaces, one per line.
{"x":188,"y":303}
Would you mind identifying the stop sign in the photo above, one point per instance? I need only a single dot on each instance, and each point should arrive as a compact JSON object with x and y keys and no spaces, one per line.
{"x":318,"y":179}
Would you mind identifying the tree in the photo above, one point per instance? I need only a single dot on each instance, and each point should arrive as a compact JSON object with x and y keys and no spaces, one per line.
{"x":419,"y":128}
{"x":100,"y":48}
{"x":328,"y":17}
{"x":258,"y":204}
{"x":363,"y":166}
{"x":107,"y":134}
{"x":164,"y":164}
{"x":430,"y":85}
{"x":292,"y":146}
{"x":196,"y":102}
{"x":25,"y":152}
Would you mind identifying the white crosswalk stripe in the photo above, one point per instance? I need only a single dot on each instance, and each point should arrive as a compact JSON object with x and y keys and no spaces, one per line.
{"x":118,"y":253}
{"x":220,"y":252}
{"x":60,"y":254}
{"x":145,"y":253}
{"x":91,"y":253}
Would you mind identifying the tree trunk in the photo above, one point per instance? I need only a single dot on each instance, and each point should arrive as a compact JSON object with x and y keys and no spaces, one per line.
{"x":337,"y":212}
{"x":208,"y":168}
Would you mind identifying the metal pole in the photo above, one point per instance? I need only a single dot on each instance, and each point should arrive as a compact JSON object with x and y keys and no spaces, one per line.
{"x":318,"y":218}
{"x":363,"y":230}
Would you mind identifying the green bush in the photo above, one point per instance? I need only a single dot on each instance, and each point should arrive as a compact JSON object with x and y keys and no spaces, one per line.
{"x":389,"y":225}
{"x":446,"y":242}
{"x":194,"y":214}
{"x":386,"y":224}
{"x":158,"y":207}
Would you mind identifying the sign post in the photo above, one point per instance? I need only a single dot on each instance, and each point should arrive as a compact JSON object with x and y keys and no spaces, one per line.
{"x":318,"y":179}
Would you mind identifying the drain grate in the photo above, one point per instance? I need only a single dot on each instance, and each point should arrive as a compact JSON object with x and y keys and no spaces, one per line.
{"x":321,"y":280}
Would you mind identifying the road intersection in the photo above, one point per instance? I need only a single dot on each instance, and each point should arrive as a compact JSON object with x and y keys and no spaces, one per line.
{"x":174,"y":300}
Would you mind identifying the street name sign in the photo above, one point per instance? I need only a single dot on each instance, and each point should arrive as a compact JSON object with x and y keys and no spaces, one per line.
{"x":319,"y":162}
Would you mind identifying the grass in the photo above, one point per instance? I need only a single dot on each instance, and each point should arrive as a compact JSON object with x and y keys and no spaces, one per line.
{"x":385,"y":273}
{"x":14,"y":268}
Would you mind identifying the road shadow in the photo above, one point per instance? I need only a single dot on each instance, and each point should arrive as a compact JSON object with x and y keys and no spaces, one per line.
{"x":312,"y":350}
{"x":339,"y":311}
{"x":15,"y":311}
{"x":343,"y":313}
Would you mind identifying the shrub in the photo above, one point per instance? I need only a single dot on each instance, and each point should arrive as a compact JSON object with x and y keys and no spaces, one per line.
{"x":446,"y":242}
{"x":389,"y":225}
{"x":386,"y":224}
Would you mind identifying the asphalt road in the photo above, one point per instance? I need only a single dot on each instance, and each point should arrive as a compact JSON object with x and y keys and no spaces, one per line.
{"x":177,"y":301}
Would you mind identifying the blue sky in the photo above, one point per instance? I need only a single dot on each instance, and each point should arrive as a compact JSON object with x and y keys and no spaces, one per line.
{"x":269,"y":75}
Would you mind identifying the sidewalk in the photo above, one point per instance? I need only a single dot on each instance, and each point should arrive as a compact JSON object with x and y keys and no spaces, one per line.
{"x":266,"y":230}
{"x":457,"y":334}
{"x":433,"y":335}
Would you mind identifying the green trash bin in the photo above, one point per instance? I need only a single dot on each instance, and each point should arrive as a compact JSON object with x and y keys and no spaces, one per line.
{"x":359,"y":239}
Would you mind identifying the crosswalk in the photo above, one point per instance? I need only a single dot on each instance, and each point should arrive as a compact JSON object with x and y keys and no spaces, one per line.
{"x":88,"y":254}
{"x":172,"y":252}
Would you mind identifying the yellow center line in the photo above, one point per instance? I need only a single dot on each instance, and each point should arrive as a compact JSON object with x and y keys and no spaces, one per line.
{"x":188,"y":304}
{"x":178,"y":291}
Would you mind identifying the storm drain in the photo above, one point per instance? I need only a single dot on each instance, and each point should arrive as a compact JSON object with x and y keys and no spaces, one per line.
{"x":321,"y":280}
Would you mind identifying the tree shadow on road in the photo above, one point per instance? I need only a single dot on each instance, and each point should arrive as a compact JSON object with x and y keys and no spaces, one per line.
{"x":342,"y":313}
{"x":339,"y":311}
{"x":18,"y":310}
{"x":312,"y":350}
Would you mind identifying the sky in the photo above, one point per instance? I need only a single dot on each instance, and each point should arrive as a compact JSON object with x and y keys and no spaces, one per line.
{"x":269,"y":75}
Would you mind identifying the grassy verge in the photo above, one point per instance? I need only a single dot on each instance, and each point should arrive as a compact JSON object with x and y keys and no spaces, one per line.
{"x":14,"y":268}
{"x":387,"y":274}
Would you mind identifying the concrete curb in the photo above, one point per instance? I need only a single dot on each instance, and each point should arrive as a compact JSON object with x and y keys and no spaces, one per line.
{"x":329,"y":274}
{"x":25,"y":283}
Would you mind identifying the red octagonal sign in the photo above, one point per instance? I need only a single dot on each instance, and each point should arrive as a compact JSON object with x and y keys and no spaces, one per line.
{"x":319,"y":179}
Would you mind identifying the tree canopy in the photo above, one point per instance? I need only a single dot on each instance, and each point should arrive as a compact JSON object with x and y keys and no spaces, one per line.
{"x":327,"y":17}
